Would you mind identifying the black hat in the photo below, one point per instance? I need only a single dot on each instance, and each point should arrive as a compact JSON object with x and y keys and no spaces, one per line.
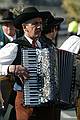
{"x":58,"y":20}
{"x":7,"y":17}
{"x":29,"y":13}
{"x":50,"y":22}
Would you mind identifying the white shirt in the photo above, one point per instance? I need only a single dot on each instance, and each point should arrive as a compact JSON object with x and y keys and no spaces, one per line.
{"x":72,"y":44}
{"x":7,"y":55}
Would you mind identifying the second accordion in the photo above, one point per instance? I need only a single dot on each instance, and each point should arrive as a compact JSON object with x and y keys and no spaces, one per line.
{"x":52,"y":76}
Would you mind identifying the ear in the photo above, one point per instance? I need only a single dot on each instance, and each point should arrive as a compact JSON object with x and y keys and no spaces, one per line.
{"x":24,"y":27}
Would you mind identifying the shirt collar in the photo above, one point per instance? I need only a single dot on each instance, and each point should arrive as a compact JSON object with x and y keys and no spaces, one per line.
{"x":10,"y":37}
{"x":29,"y":39}
{"x":38,"y":44}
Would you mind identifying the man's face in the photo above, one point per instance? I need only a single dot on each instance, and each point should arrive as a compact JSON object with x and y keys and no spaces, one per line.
{"x":9,"y":29}
{"x":33,"y":28}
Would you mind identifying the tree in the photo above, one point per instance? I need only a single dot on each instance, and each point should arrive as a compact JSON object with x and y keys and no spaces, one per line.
{"x":72,"y":8}
{"x":18,"y":8}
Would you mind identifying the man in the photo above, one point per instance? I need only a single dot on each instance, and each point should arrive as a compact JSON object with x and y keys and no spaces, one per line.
{"x":8,"y":32}
{"x":50,"y":30}
{"x":31,"y":20}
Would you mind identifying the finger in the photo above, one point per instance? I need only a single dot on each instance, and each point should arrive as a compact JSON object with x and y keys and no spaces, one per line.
{"x":21,"y":78}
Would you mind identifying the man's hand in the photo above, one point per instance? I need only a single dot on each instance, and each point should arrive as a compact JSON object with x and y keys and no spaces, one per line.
{"x":19,"y":71}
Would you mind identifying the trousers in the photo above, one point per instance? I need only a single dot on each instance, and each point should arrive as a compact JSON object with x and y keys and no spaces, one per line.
{"x":47,"y":111}
{"x":22,"y":113}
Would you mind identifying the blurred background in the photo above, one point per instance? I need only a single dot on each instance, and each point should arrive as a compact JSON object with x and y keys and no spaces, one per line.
{"x":65,"y":8}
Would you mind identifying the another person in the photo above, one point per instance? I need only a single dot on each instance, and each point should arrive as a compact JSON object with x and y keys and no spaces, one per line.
{"x":8,"y":33}
{"x":50,"y":30}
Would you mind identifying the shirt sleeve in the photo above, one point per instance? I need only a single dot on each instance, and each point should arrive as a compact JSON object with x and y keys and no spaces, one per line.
{"x":7,"y":55}
{"x":72,"y":44}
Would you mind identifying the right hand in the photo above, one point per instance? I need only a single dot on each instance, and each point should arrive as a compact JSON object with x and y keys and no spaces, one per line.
{"x":19,"y":71}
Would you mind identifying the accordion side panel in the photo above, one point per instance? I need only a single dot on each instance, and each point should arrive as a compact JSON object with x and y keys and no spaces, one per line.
{"x":67,"y":75}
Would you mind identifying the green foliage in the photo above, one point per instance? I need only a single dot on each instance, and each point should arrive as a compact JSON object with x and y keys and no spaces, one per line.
{"x":17,"y":9}
{"x":72,"y":8}
{"x":2,"y":0}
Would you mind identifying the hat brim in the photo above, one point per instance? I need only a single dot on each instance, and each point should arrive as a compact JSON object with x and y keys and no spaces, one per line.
{"x":22,"y":18}
{"x":6,"y":21}
{"x":58,"y":20}
{"x":53,"y":20}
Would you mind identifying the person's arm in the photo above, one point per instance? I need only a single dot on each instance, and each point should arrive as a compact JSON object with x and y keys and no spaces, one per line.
{"x":7,"y":55}
{"x":72,"y":44}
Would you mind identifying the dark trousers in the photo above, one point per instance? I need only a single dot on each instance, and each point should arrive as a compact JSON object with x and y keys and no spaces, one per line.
{"x":12,"y":102}
{"x":49,"y":111}
{"x":12,"y":114}
{"x":9,"y":96}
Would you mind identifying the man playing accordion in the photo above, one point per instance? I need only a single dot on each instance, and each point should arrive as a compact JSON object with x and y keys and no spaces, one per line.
{"x":31,"y":21}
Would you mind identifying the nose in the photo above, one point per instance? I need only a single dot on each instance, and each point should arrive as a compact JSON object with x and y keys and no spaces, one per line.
{"x":39,"y":26}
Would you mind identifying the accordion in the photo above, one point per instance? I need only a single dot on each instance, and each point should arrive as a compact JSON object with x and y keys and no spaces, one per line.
{"x":67,"y":77}
{"x":52,"y":76}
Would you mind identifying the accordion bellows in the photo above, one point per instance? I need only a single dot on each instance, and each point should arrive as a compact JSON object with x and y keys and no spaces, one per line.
{"x":50,"y":72}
